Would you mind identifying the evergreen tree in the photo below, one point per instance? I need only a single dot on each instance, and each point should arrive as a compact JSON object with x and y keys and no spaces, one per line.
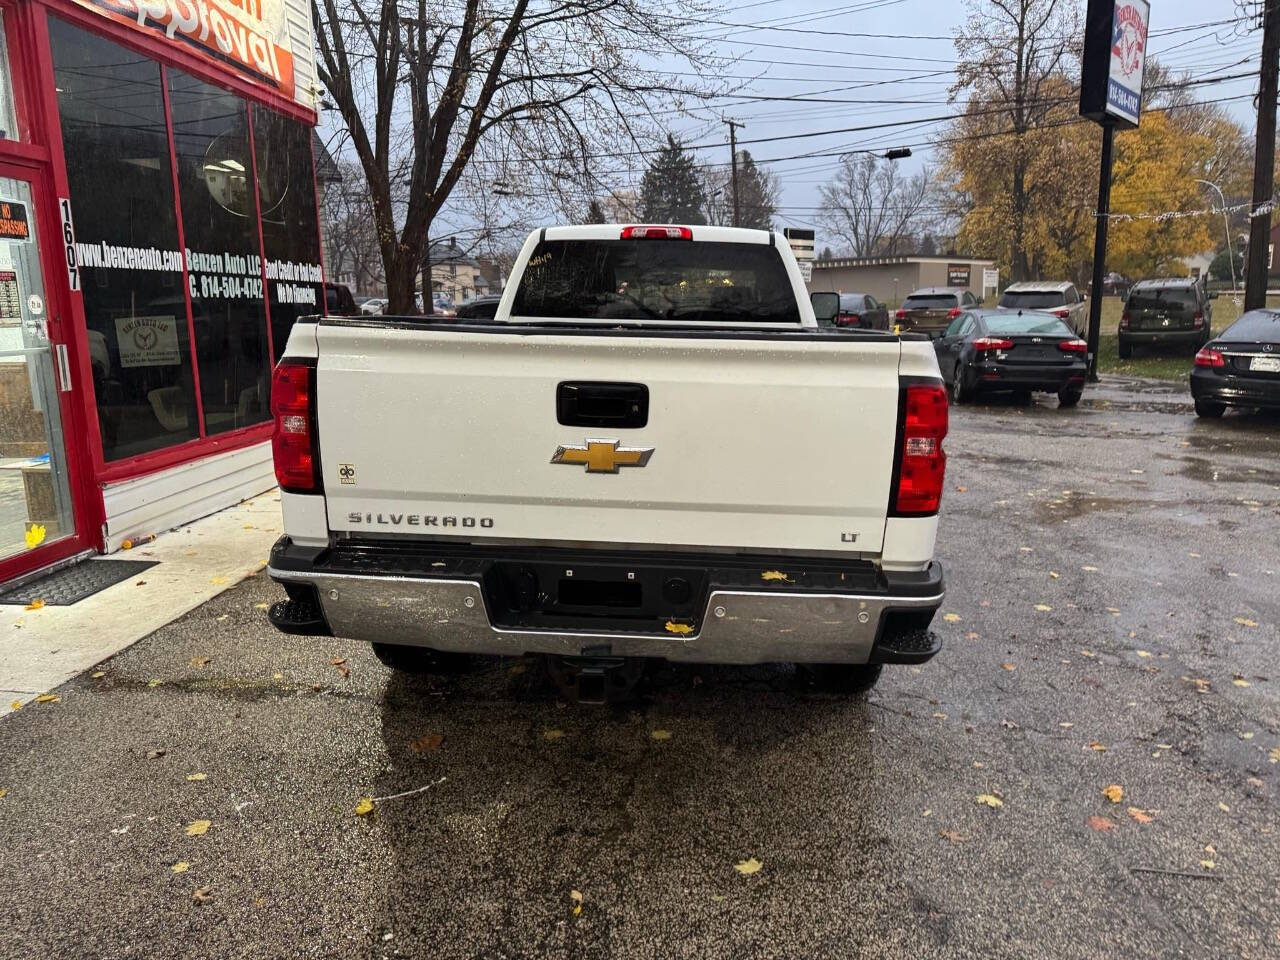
{"x":595,"y":213}
{"x":672,"y":191}
{"x":757,"y":194}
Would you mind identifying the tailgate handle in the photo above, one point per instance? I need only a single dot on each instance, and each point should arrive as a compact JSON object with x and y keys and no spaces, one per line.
{"x":584,"y":403}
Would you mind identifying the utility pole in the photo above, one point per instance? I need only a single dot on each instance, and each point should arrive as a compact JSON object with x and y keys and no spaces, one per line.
{"x":1255,"y":292}
{"x":1100,"y":249}
{"x":733,"y":159}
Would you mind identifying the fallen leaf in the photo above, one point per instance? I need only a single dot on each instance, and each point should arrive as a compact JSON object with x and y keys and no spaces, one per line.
{"x":1208,"y":864}
{"x":1101,"y":824}
{"x":1025,"y":549}
{"x":1137,"y":471}
{"x":35,"y":535}
{"x":34,"y":605}
{"x":990,"y":800}
{"x":1009,"y":666}
{"x":154,"y":682}
{"x":550,"y":735}
{"x":16,"y":705}
{"x":1209,"y":849}
{"x":194,"y":777}
{"x":155,"y":754}
{"x":971,"y":636}
{"x":1087,"y":653}
{"x":1097,"y":747}
{"x":48,"y":698}
{"x":748,"y":867}
{"x":248,"y":526}
{"x":1240,"y":681}
{"x":1066,"y":725}
{"x":364,"y":807}
{"x":1090,"y":569}
{"x":141,"y":583}
{"x":979,"y":765}
{"x":678,"y":628}
{"x":221,"y":617}
{"x":429,"y":741}
{"x":98,"y":675}
{"x":4,"y":792}
{"x":1140,"y":815}
{"x":1223,"y":807}
{"x":960,"y":489}
{"x":778,"y":575}
{"x":1114,"y":793}
{"x":341,"y":664}
{"x":261,"y":606}
{"x":218,"y":581}
{"x":576,"y":897}
{"x":953,"y":836}
{"x":660,"y":734}
{"x":202,"y":894}
{"x":198,"y":828}
{"x":277,"y":676}
{"x":201,"y":661}
{"x":1274,"y":755}
{"x":182,"y":866}
{"x":1243,"y":621}
{"x":1043,"y":607}
{"x":951,"y":617}
{"x":1054,"y":574}
{"x":939,"y":716}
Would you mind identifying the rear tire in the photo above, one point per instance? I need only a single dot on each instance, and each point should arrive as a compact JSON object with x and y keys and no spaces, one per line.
{"x":847,"y":679}
{"x":419,"y":660}
{"x":959,"y":392}
{"x":1069,"y":396}
{"x":1210,"y":409}
{"x":1022,"y":397}
{"x":1124,"y":349}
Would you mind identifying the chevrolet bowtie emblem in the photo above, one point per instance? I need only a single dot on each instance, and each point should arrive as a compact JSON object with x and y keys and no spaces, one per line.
{"x":602,"y":456}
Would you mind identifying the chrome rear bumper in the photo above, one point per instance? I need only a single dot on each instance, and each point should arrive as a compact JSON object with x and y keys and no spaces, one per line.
{"x":737,"y":626}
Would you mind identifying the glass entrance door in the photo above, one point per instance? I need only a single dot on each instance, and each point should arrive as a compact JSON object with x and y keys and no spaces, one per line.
{"x":37,"y":518}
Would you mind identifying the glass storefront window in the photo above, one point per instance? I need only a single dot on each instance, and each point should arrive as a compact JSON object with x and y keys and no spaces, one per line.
{"x":290,"y":230}
{"x":220,"y":228}
{"x":117,"y":157}
{"x":8,"y":112}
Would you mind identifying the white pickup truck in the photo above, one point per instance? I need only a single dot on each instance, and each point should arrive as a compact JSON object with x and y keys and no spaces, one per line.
{"x":651,"y":451}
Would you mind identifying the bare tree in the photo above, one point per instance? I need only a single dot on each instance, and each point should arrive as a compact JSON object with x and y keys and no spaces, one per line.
{"x":759,"y":194}
{"x":525,"y":95}
{"x":1011,"y":53}
{"x":873,"y":208}
{"x":351,"y":240}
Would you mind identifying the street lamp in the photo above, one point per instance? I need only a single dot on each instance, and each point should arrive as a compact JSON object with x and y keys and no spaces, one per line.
{"x":1226,"y":225}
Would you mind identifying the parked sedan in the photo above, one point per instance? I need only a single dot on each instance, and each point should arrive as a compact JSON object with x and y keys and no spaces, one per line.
{"x":931,"y":309}
{"x":1240,"y":367}
{"x":863,"y":311}
{"x":988,"y":351}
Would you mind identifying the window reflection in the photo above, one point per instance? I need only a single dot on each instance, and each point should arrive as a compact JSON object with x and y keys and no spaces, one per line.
{"x":290,"y":230}
{"x":8,"y":112}
{"x":215,"y":187}
{"x":117,"y":155}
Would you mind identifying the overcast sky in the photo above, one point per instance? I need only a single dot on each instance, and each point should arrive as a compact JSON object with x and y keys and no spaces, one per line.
{"x":1186,"y":36}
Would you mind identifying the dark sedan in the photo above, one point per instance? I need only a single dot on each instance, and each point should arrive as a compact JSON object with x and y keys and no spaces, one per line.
{"x":1240,"y":367}
{"x":862,"y":311}
{"x":990,"y":351}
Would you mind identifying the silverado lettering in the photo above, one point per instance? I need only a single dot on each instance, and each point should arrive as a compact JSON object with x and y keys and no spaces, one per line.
{"x":419,"y":519}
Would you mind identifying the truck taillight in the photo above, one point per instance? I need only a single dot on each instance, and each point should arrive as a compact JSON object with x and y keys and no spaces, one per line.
{"x":922,"y":463}
{"x":1198,"y":320}
{"x":1124,"y":320}
{"x":900,"y":315}
{"x":293,"y":441}
{"x":657,"y":233}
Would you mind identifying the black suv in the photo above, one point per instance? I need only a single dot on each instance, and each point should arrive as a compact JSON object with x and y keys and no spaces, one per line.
{"x":1166,"y":313}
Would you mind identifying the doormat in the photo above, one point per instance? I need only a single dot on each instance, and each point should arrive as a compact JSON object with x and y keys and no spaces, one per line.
{"x":65,"y":587}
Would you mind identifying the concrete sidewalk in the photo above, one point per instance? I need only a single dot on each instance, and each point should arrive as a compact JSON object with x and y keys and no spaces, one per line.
{"x":40,"y":649}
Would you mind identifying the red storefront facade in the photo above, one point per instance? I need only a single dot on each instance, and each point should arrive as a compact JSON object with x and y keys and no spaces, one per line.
{"x":159,"y":235}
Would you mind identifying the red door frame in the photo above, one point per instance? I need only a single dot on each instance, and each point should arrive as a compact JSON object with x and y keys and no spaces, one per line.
{"x":37,"y":99}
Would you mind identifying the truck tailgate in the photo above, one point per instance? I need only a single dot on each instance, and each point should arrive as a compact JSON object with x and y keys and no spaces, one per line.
{"x":761,"y":442}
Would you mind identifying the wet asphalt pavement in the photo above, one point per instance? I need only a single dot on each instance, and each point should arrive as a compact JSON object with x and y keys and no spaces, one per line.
{"x":1148,"y":662}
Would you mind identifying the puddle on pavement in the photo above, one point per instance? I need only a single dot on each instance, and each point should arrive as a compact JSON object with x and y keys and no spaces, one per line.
{"x":1206,"y":471}
{"x":1075,"y":506}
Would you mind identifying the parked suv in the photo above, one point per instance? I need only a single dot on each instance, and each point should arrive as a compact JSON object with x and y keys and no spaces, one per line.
{"x":1051,"y":296}
{"x":932,"y":309}
{"x":1169,"y":312}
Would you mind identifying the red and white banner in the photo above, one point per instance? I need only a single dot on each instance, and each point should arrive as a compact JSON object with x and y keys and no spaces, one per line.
{"x":252,"y":36}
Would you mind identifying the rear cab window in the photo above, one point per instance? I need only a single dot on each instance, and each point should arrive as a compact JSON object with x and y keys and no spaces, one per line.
{"x":1032,"y":299}
{"x":678,"y":281}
